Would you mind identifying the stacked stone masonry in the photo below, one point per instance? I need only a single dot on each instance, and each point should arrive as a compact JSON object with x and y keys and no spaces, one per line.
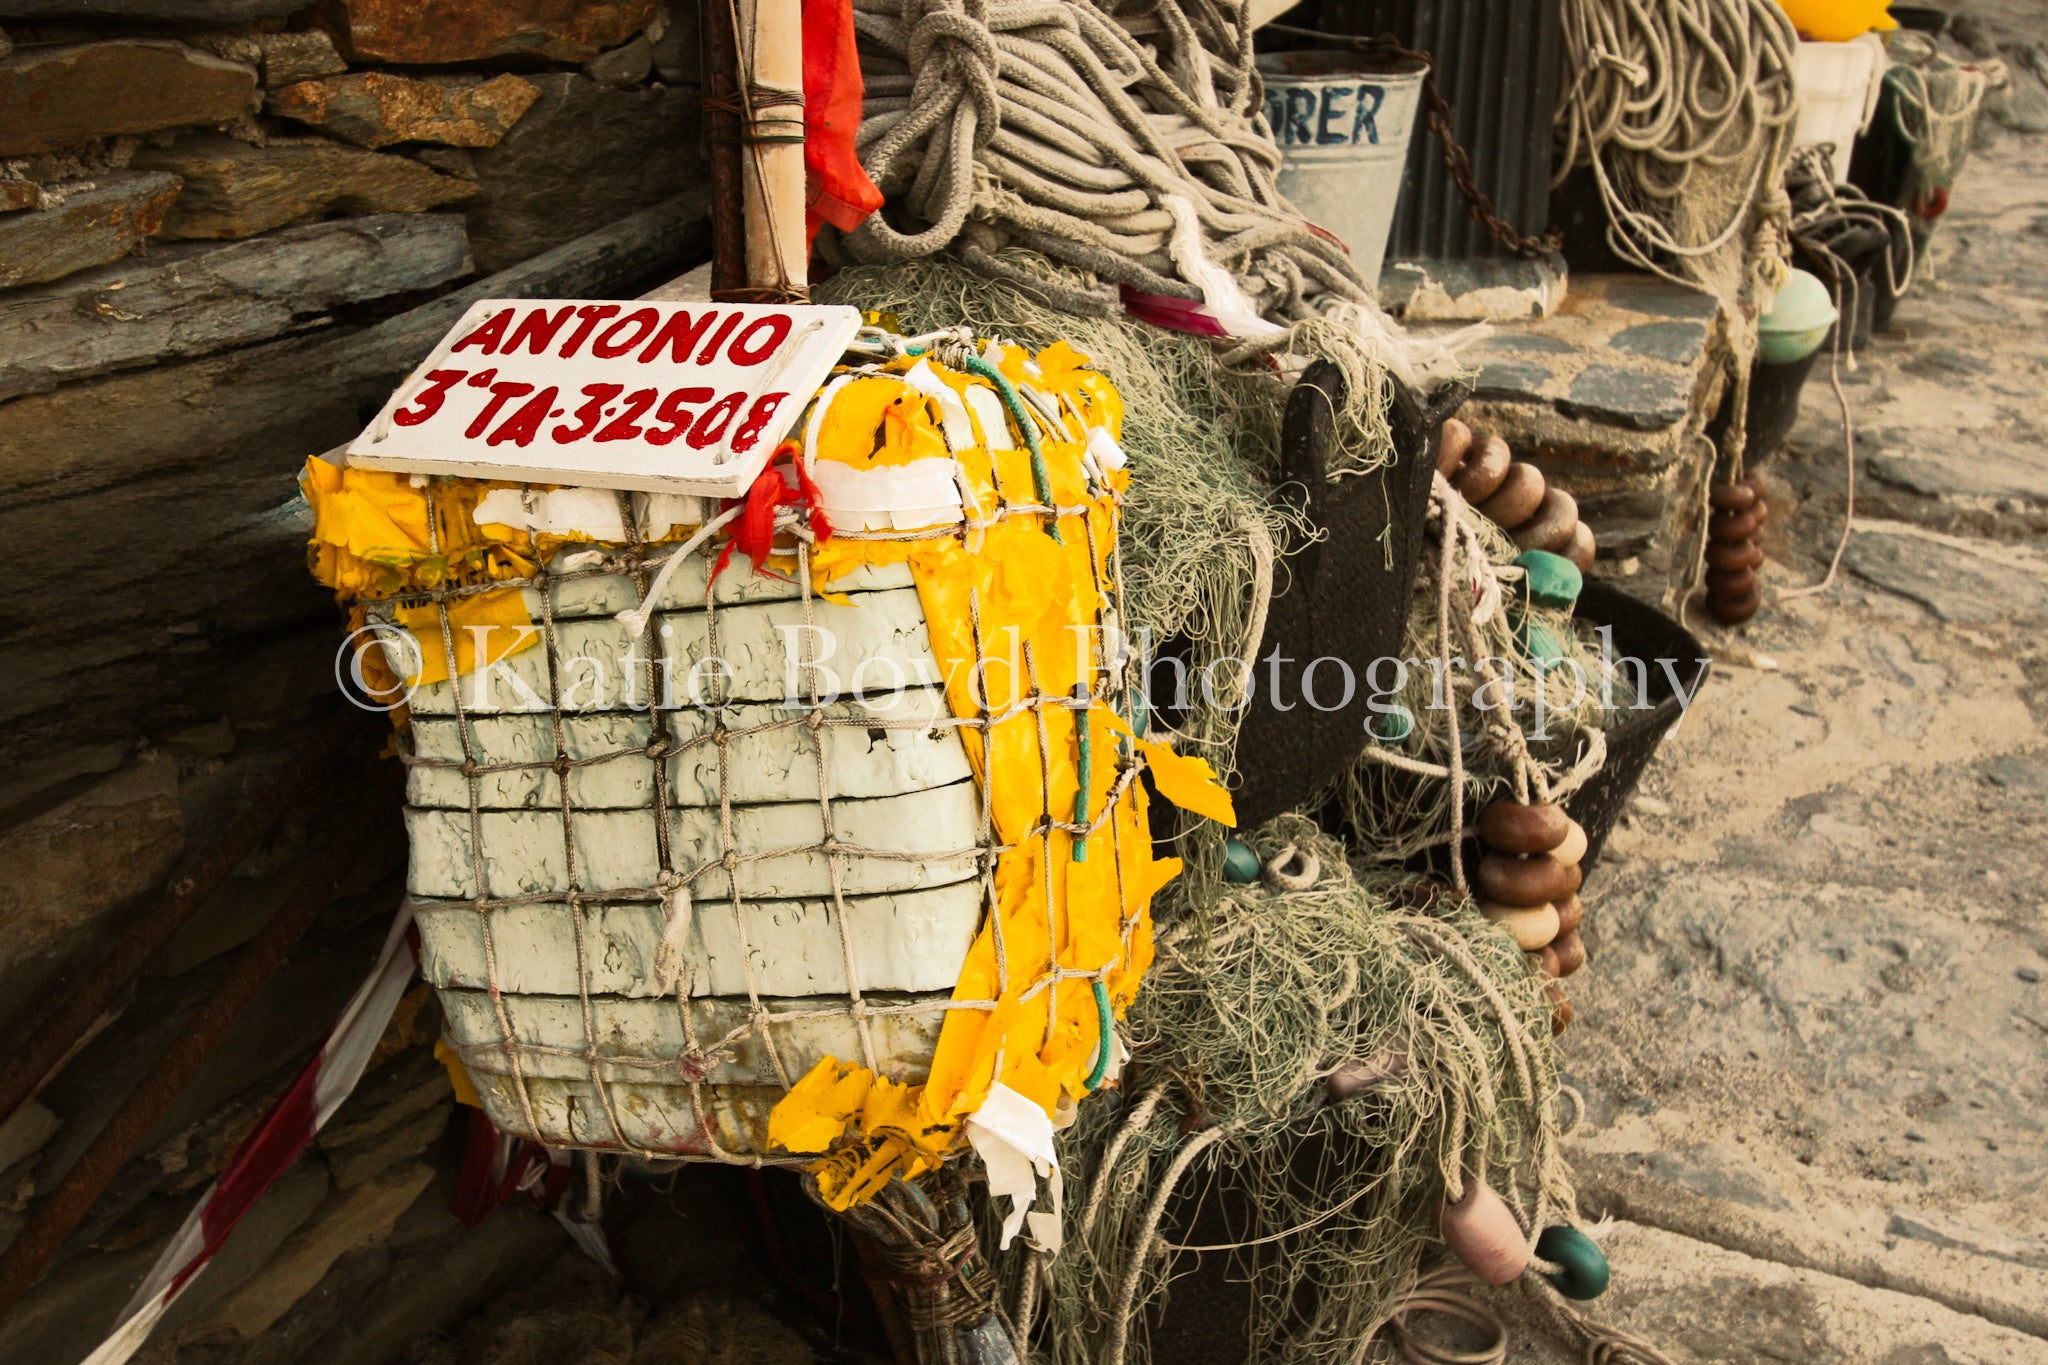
{"x":227,"y":229}
{"x":204,"y":207}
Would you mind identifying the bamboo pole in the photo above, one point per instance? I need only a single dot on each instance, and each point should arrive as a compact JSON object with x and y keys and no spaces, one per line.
{"x":772,"y":93}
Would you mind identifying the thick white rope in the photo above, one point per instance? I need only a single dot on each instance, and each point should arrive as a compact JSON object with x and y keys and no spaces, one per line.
{"x":1100,"y":142}
{"x":1660,"y":90}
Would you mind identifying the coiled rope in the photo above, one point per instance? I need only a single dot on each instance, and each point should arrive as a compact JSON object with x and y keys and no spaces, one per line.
{"x":1091,"y":139}
{"x":1662,"y":91}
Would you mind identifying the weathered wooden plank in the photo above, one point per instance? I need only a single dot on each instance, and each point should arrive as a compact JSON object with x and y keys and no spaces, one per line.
{"x":910,"y":941}
{"x":194,"y":299}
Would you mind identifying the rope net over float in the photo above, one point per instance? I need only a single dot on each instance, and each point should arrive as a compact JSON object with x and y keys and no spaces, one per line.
{"x":691,"y":882}
{"x":1502,"y":698}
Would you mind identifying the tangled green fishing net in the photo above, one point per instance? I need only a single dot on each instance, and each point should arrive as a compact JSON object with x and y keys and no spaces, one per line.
{"x":1196,"y":433}
{"x":1323,"y":1203}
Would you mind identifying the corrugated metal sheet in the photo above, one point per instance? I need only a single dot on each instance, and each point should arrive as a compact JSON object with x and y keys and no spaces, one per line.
{"x":1498,"y":62}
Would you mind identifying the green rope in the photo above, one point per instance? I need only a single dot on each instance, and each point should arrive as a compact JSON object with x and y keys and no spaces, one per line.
{"x":1026,"y":428}
{"x":1102,"y":1042}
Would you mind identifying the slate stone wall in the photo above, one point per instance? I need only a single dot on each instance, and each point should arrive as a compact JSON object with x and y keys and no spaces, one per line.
{"x":227,"y":229}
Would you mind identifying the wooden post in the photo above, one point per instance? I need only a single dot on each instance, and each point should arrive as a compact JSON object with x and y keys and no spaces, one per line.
{"x":772,"y":69}
{"x":723,"y":128}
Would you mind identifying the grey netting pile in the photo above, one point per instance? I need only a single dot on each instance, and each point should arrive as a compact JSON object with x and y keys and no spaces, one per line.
{"x":642,"y":915}
{"x":1323,"y":1064}
{"x":1261,"y":993}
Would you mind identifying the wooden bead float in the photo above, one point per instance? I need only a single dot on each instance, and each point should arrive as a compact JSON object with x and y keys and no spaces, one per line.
{"x":1734,"y":592}
{"x":1536,"y":879}
{"x":1734,"y":528}
{"x":1581,"y":549}
{"x":1568,"y":952}
{"x":1451,"y":446}
{"x":1528,"y":880}
{"x":1722,"y":557}
{"x":1730,"y":582}
{"x":1514,"y":495}
{"x":1531,"y":927}
{"x":1484,"y":471}
{"x":1513,"y":827}
{"x":1517,"y":498}
{"x":1560,"y":1008}
{"x":1732,"y":497}
{"x":1554,"y":524}
{"x":1570,"y":911}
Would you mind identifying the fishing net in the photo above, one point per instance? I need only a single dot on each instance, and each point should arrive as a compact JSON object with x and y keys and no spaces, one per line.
{"x":1684,"y":114}
{"x":1935,"y":102}
{"x":1260,"y":994}
{"x":1203,"y":438}
{"x":1521,"y":693}
{"x":1324,"y":1064}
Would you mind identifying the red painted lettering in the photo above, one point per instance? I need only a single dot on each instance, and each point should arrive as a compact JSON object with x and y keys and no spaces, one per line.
{"x":776,"y":325}
{"x":608,"y":346}
{"x":500,"y":393}
{"x":591,"y":314}
{"x":537,"y":330}
{"x":626,"y":425}
{"x":679,"y":334}
{"x":674,"y":414}
{"x":488,"y":335}
{"x":711,"y":425}
{"x":718,"y":337}
{"x":428,"y":400}
{"x":590,"y":414}
{"x":522,"y":426}
{"x":758,"y":417}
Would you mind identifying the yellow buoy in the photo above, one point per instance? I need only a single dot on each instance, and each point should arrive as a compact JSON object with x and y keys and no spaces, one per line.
{"x":1837,"y":21}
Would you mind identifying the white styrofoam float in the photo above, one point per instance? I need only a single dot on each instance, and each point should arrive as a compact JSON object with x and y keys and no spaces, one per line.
{"x":570,"y":913}
{"x":876,"y":746}
{"x":908,"y":941}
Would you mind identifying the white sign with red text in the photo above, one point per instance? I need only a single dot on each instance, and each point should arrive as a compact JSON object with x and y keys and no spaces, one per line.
{"x":658,"y":397}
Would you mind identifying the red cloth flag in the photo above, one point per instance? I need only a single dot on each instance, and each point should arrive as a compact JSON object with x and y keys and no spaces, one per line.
{"x":839,"y":191}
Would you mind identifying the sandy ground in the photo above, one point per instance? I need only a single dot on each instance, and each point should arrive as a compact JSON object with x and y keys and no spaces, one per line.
{"x":1813,"y":1041}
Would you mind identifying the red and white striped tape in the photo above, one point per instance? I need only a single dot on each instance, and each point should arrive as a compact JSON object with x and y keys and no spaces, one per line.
{"x":265,"y":1154}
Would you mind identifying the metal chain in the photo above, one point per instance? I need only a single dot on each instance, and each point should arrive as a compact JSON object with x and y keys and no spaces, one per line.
{"x":1477,"y":201}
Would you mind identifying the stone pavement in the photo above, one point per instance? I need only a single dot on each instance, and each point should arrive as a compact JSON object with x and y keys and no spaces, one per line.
{"x":1813,"y":1040}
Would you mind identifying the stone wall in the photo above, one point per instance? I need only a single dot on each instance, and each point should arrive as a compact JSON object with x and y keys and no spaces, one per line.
{"x":227,"y":229}
{"x":214,"y":247}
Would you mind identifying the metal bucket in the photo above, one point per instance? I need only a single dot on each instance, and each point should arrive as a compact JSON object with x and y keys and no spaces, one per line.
{"x":1343,"y":133}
